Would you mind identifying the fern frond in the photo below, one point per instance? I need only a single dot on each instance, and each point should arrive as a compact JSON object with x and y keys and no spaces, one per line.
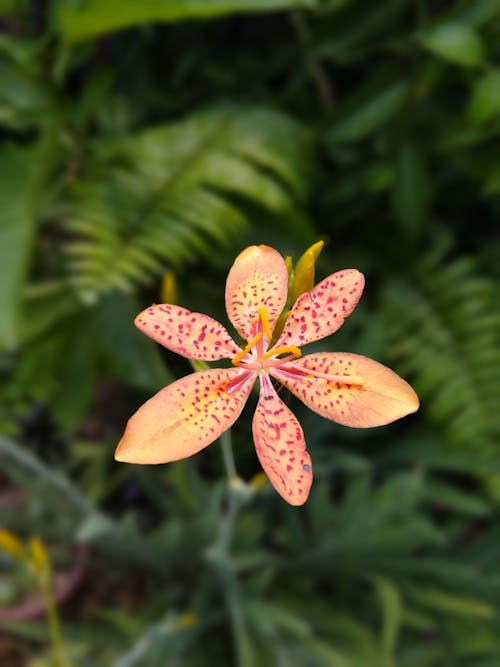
{"x":174,"y":192}
{"x":445,"y":322}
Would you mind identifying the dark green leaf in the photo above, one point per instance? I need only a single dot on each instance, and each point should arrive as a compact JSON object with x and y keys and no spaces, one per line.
{"x":365,"y":113}
{"x":18,"y":193}
{"x":456,"y":42}
{"x":94,"y":17}
{"x":411,"y":190}
{"x":485,"y":100}
{"x":125,"y":351}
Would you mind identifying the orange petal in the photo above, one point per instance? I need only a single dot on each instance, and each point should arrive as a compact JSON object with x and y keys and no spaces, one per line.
{"x":193,"y":335}
{"x":322,"y":311}
{"x":186,"y":416}
{"x":257,"y":279}
{"x":382,"y":397}
{"x":281,"y":447}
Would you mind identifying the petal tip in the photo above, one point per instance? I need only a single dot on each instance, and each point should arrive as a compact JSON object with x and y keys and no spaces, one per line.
{"x":120,"y":455}
{"x":296,"y":502}
{"x":413,"y":402}
{"x":125,"y":453}
{"x":130,"y":450}
{"x":256,"y":252}
{"x":257,"y":279}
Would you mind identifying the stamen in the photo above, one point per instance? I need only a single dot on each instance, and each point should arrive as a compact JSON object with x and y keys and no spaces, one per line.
{"x":237,"y":383}
{"x":281,"y":350}
{"x":280,"y":362}
{"x":265,"y":322}
{"x":243,"y":352}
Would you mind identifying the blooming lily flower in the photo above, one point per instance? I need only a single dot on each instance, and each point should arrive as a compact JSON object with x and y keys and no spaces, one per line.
{"x":189,"y":414}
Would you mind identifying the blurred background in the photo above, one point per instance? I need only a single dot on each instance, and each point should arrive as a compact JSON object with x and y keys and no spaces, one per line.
{"x":142,"y":146}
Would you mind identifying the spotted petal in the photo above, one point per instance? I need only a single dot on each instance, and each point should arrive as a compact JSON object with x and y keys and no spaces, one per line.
{"x":257,"y":279}
{"x":185,"y":417}
{"x":281,"y":447}
{"x":193,"y":335}
{"x":370,"y":395}
{"x":322,"y":311}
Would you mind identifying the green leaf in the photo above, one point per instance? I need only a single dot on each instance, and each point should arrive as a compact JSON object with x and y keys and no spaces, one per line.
{"x":21,"y":51}
{"x":485,"y":101}
{"x":25,"y":99}
{"x":456,"y":500}
{"x":55,"y":481}
{"x":478,"y":12}
{"x":95,"y":17}
{"x":444,"y":321}
{"x":9,"y":6}
{"x":411,"y":190}
{"x":360,"y":28}
{"x":269,"y":617}
{"x":76,"y":375}
{"x":364,"y":113}
{"x":126,"y":352}
{"x":44,"y":305}
{"x":334,"y":5}
{"x":455,"y":42}
{"x":389,"y":600}
{"x":451,"y":603}
{"x":94,"y":526}
{"x":18,"y":189}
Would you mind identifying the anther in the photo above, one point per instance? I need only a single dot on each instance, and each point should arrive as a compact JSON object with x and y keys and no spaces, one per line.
{"x":281,"y":350}
{"x":265,"y":322}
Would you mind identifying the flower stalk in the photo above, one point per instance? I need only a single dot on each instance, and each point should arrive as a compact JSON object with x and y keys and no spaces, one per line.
{"x":35,"y":557}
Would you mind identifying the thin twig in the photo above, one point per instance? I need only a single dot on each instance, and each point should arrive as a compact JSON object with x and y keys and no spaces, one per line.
{"x":316,"y":71}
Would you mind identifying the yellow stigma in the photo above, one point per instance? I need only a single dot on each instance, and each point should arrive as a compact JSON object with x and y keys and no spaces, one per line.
{"x":265,"y":322}
{"x":236,"y":360}
{"x":281,"y":350}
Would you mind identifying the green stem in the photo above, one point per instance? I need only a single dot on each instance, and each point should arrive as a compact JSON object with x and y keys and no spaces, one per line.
{"x":47,"y":474}
{"x":45,"y":580}
{"x":228,"y":578}
{"x":229,"y":518}
{"x":227,"y":455}
{"x":242,"y":643}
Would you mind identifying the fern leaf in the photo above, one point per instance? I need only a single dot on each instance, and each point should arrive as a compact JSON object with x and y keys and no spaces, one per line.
{"x":166,"y":195}
{"x":445,"y":322}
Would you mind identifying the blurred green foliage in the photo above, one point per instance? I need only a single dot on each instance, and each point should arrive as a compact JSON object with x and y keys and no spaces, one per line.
{"x":138,"y":138}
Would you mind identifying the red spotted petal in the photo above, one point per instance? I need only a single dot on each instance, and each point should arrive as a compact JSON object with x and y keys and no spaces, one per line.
{"x":257,"y":279}
{"x":281,"y":447}
{"x":193,"y":335}
{"x":322,"y":311}
{"x":186,"y":416}
{"x":321,"y":381}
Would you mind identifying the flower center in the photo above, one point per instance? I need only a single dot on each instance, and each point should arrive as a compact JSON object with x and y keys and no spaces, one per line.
{"x":245,"y":350}
{"x":254,"y":356}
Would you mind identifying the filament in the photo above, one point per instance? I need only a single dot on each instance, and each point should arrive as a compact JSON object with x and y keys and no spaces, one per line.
{"x":236,"y":360}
